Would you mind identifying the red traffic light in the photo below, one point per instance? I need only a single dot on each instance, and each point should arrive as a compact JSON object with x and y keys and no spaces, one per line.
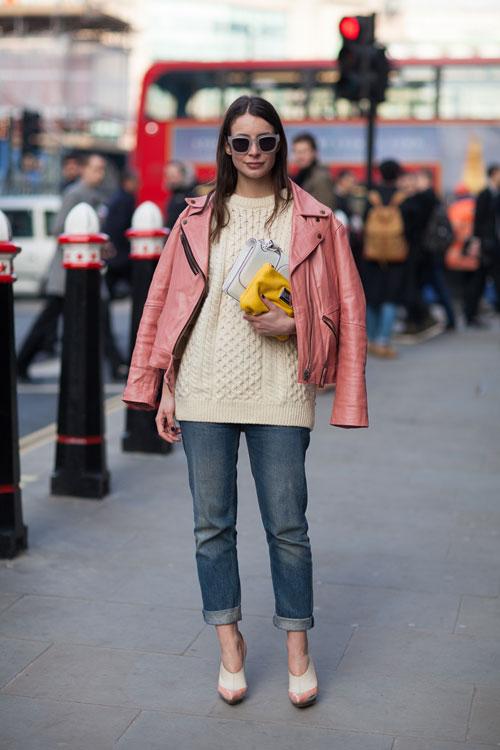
{"x":350,"y":28}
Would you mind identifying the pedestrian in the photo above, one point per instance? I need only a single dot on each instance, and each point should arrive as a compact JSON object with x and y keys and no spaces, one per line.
{"x":118,"y":219}
{"x":222,"y":373}
{"x":180,"y":185}
{"x":437,"y":237}
{"x":312,"y":176}
{"x":384,"y":279}
{"x":71,"y":169}
{"x":487,"y":230}
{"x":85,"y":190}
{"x":462,"y":258}
{"x":349,"y":200}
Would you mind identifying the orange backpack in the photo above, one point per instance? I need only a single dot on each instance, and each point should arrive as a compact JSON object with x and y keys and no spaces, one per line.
{"x":384,"y":236}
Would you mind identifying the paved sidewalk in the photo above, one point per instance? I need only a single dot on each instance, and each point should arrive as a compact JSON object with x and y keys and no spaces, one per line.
{"x":102,"y":643}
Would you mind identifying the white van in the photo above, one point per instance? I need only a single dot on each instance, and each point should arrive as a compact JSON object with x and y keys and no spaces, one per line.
{"x":31,"y":218}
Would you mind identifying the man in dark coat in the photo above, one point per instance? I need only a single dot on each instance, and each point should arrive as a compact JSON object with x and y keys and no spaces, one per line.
{"x":487,"y":229}
{"x":312,"y":176}
{"x":180,"y":187}
{"x":118,"y":219}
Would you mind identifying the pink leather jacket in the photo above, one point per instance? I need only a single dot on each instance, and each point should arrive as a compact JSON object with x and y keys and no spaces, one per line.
{"x":328,"y":302}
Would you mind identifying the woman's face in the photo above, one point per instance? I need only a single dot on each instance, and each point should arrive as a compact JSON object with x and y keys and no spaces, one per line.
{"x":255,"y":164}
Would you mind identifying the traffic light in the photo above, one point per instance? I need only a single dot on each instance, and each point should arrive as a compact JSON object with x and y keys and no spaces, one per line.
{"x":31,"y":129}
{"x":362,"y":62}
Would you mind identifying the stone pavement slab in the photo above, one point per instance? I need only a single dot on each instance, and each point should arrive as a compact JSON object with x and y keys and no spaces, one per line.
{"x":479,"y":616}
{"x":152,"y":730}
{"x":102,"y":641}
{"x":409,"y":743}
{"x":423,"y":653}
{"x":16,"y":654}
{"x":385,"y":607}
{"x":7,"y":599}
{"x":485,"y":715}
{"x":118,"y":677}
{"x":48,"y":725}
{"x":80,"y":621}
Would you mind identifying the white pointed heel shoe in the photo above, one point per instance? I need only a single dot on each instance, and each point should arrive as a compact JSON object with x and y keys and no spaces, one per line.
{"x":303,"y":689}
{"x":232,"y":686}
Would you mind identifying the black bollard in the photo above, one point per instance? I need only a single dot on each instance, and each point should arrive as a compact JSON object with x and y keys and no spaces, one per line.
{"x":147,"y":239}
{"x":80,"y":466}
{"x":13,"y":532}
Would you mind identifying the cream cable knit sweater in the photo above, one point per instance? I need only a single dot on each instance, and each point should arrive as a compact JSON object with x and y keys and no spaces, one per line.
{"x":228,"y":372}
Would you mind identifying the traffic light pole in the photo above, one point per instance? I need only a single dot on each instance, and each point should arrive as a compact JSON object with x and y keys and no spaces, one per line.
{"x":371,"y":113}
{"x":370,"y":142}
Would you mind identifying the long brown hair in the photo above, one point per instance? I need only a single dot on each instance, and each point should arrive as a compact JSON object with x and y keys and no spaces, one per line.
{"x":227,"y":175}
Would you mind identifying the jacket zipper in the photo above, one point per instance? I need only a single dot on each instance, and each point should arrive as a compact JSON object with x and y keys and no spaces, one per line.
{"x":189,"y":254}
{"x":196,"y":269}
{"x":307,"y":371}
{"x":331,"y":325}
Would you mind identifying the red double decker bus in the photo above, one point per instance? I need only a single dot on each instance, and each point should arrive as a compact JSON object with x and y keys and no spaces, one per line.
{"x":435,"y":109}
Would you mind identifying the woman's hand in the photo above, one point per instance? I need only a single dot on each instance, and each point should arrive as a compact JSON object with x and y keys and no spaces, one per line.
{"x":273,"y":323}
{"x":165,"y":418}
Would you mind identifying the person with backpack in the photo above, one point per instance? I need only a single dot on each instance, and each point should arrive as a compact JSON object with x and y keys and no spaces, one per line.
{"x":385,"y":252}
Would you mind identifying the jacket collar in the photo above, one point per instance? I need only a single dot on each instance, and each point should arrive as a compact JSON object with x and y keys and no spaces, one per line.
{"x":305,"y":204}
{"x":197,"y":205}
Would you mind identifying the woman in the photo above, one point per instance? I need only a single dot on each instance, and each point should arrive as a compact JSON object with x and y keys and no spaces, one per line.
{"x":225,"y":372}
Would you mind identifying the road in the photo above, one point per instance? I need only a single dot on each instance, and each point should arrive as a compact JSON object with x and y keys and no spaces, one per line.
{"x":37,"y":402}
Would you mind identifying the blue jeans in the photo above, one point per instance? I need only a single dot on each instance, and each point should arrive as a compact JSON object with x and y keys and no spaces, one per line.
{"x":380,"y":322}
{"x":277,"y":457}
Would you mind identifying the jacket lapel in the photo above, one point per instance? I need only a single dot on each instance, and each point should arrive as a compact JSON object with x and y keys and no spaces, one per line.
{"x":196,"y":227}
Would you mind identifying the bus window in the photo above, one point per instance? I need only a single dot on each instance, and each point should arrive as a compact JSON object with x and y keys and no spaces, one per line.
{"x":411,"y":94}
{"x":159,"y":105}
{"x":169,"y":96}
{"x":205,"y":104}
{"x":321,"y":85}
{"x":284,"y":89}
{"x":470,"y":92}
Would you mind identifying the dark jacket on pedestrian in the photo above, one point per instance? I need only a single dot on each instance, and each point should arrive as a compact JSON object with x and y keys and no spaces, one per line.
{"x":76,"y":193}
{"x":487,"y":223}
{"x":317,"y":180}
{"x":177,"y":203}
{"x":118,"y":219}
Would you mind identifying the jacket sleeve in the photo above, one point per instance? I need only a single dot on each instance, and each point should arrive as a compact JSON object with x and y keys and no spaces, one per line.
{"x":143,"y":381}
{"x":350,"y":408}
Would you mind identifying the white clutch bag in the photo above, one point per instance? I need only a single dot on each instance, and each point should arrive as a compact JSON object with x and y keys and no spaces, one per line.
{"x":249,"y":261}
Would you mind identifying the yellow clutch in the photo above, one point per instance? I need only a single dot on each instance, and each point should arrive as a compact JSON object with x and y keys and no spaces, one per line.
{"x":274,"y":286}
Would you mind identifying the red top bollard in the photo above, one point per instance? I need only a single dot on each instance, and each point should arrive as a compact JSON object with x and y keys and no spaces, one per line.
{"x":8,"y":250}
{"x":80,"y":466}
{"x":147,"y":235}
{"x":82,"y":242}
{"x":147,"y":239}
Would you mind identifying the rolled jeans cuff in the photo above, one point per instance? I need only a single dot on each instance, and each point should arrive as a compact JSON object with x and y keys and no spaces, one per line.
{"x":289,"y":623}
{"x":222,"y":616}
